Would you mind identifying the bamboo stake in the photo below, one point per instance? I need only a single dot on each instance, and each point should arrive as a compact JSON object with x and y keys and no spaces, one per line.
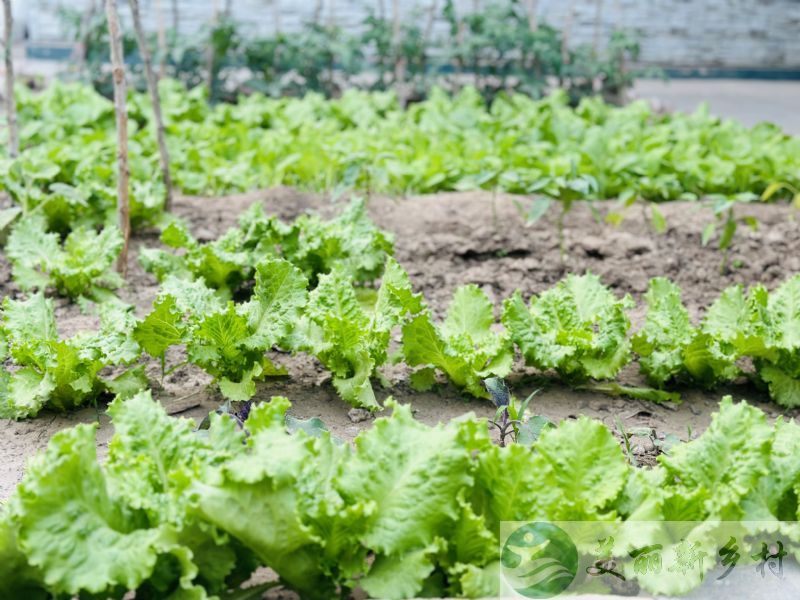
{"x":118,"y":70}
{"x":11,"y":105}
{"x":152,"y":86}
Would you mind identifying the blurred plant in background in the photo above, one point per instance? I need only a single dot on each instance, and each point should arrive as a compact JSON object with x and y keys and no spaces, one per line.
{"x":498,"y":49}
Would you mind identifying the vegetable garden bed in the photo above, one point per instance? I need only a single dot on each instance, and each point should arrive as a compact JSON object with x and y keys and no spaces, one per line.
{"x":452,"y":239}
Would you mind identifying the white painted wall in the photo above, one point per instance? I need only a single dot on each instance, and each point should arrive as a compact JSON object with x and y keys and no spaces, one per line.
{"x":726,"y":33}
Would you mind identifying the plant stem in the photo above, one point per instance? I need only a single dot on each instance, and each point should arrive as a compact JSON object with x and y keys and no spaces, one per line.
{"x":152,"y":86}
{"x":562,"y":250}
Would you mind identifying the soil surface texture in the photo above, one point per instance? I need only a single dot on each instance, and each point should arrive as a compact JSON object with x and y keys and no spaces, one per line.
{"x":445,"y":241}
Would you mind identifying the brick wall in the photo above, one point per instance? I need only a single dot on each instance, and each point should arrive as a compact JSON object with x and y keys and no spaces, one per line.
{"x":673,"y":33}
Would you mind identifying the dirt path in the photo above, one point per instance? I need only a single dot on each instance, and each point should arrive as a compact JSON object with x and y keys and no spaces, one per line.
{"x":446,"y":241}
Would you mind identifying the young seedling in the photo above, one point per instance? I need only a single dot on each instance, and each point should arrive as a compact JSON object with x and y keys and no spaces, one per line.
{"x":566,"y":190}
{"x":726,"y":220}
{"x":509,"y":419}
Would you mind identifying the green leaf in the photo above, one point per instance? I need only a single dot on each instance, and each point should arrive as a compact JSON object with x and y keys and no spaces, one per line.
{"x":725,"y":463}
{"x":581,"y":470}
{"x":73,"y":530}
{"x":783,"y":387}
{"x":403,"y":576}
{"x":728,"y":231}
{"x":471,"y":313}
{"x":538,"y":209}
{"x":394,"y":462}
{"x":160,"y":329}
{"x":128,"y":382}
{"x":771,"y":190}
{"x":578,"y":328}
{"x":708,"y":233}
{"x":657,"y":219}
{"x":667,"y":331}
{"x":152,"y":457}
{"x":278,"y":298}
{"x":464,"y":347}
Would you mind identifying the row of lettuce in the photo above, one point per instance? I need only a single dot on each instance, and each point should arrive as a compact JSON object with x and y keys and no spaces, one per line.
{"x":367,"y":141}
{"x":311,"y":286}
{"x":407,"y":511}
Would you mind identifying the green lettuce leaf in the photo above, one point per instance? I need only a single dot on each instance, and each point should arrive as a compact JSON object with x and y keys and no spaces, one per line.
{"x":61,"y":374}
{"x":351,"y":338}
{"x":81,"y":267}
{"x":577,"y":328}
{"x":465,"y":346}
{"x":725,"y":463}
{"x":666,"y":333}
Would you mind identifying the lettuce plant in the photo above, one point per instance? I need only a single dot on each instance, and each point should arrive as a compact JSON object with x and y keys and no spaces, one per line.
{"x":349,"y":242}
{"x":671,"y":348}
{"x":177,"y":513}
{"x":82,"y":266}
{"x":579,"y":328}
{"x":349,"y":334}
{"x":464,"y":346}
{"x":227,"y":340}
{"x":46,"y":371}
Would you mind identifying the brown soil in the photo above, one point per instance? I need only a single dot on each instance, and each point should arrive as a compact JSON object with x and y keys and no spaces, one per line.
{"x":445,"y":241}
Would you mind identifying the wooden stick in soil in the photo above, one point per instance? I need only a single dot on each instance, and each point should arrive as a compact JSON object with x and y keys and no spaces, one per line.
{"x":152,"y":86}
{"x":11,"y":105}
{"x":118,"y":71}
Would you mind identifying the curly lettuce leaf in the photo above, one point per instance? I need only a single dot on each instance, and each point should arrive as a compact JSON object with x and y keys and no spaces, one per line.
{"x":262,"y":498}
{"x":278,"y":299}
{"x":349,"y":243}
{"x":218,"y":346}
{"x":81,"y":267}
{"x":666,"y":333}
{"x":73,"y":530}
{"x":579,"y":328}
{"x":724,"y":464}
{"x":352,"y":338}
{"x":465,"y":346}
{"x":59,"y":373}
{"x":581,"y":471}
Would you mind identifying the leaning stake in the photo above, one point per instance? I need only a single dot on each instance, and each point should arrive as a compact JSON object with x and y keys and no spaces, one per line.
{"x":152,"y":86}
{"x":11,"y":106}
{"x":118,"y":70}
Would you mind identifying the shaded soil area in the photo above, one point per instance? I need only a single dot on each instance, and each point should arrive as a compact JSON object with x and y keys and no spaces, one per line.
{"x":445,"y":241}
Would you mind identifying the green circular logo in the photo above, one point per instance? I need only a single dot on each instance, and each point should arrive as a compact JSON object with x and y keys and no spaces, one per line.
{"x":539,"y":560}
